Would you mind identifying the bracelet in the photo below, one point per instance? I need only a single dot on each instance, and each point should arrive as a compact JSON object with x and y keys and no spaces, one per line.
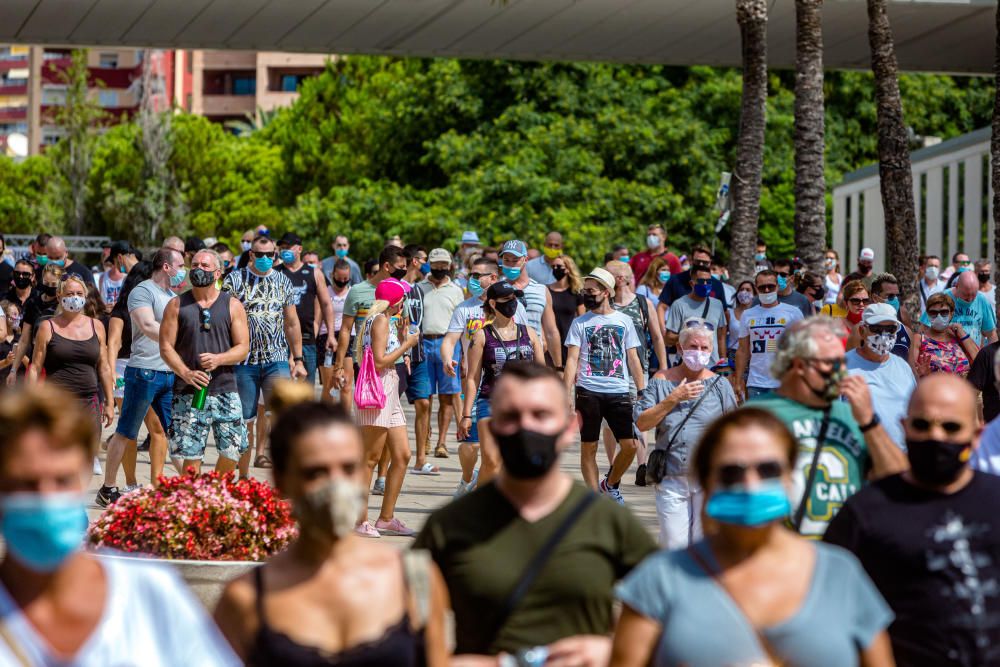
{"x":964,"y":338}
{"x":872,"y":424}
{"x":466,"y":416}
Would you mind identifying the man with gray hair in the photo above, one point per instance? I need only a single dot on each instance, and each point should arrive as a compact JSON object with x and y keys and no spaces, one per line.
{"x":809,"y":363}
{"x":204,"y":334}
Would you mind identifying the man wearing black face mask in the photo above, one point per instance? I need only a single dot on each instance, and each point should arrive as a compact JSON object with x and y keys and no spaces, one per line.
{"x":809,"y":362}
{"x":485,"y":541}
{"x":929,"y":537}
{"x":22,"y":283}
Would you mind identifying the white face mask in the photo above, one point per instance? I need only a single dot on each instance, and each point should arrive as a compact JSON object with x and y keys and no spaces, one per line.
{"x":932,"y":272}
{"x":829,"y":262}
{"x":653,"y":241}
{"x":73,"y":304}
{"x":744,"y":297}
{"x":881,"y":344}
{"x":696,"y":360}
{"x":768,"y":298}
{"x":940,"y":323}
{"x":246,"y":245}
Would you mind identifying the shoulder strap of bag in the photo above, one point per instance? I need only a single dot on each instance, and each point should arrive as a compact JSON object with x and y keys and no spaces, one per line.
{"x":417,"y":574}
{"x":704,"y":311}
{"x":800,"y":512}
{"x":772,"y":656}
{"x":539,"y":560}
{"x":680,"y":427}
{"x":643,"y":310}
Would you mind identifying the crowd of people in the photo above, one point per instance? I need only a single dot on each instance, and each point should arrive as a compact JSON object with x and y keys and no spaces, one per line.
{"x":822,"y":450}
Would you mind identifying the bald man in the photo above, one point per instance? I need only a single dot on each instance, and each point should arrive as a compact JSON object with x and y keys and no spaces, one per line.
{"x":55,"y":253}
{"x":930,"y":537}
{"x":174,"y":243}
{"x":973,"y":311}
{"x":540,"y":268}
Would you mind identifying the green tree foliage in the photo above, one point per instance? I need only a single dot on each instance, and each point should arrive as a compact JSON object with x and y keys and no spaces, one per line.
{"x":27,"y":202}
{"x":427,"y":148}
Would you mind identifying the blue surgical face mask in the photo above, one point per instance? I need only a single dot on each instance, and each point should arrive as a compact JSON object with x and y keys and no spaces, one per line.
{"x":894,"y":302}
{"x":312,"y":265}
{"x":703,"y":291}
{"x":341,"y":252}
{"x":177,"y":279}
{"x":43,"y":530}
{"x":474,"y":287}
{"x":782,"y":283}
{"x":664,"y":276}
{"x":511,"y":272}
{"x":760,"y":257}
{"x":263,"y":264}
{"x":738,"y":505}
{"x":624,"y":258}
{"x":425,"y":268}
{"x":287,"y":257}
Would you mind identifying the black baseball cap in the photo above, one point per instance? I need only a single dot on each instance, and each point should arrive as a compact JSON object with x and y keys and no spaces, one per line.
{"x":502,"y":289}
{"x":193,"y":244}
{"x":122,"y":248}
{"x":290,"y":238}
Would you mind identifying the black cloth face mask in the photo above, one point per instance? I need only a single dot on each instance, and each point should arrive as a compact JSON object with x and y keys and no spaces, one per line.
{"x":937,"y":462}
{"x":527,"y":454}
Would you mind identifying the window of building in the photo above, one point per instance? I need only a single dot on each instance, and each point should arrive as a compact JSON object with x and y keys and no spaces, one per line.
{"x":52,"y":96}
{"x":108,"y":98}
{"x":109,"y":60}
{"x":244,"y":85}
{"x":290,"y":83}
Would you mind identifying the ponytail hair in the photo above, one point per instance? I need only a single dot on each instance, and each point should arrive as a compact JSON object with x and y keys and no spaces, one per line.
{"x":379,"y":307}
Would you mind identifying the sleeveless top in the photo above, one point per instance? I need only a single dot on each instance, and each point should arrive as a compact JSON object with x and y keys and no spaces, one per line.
{"x":945,"y":357}
{"x":399,"y":646}
{"x":304,"y":298}
{"x":564,"y":305}
{"x":497,"y":352}
{"x":534,"y":304}
{"x":193,"y":340}
{"x":72,"y":364}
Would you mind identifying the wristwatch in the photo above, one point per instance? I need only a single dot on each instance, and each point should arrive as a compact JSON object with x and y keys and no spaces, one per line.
{"x":872,"y":424}
{"x":299,"y":359}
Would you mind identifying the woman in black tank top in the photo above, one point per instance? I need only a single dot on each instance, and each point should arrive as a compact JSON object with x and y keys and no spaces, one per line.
{"x":333,"y":597}
{"x":72,"y":350}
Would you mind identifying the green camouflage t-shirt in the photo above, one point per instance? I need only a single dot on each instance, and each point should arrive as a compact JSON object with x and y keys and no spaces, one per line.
{"x":843,"y":463}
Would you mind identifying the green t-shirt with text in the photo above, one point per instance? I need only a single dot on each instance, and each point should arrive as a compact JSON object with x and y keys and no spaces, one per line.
{"x":359,"y":302}
{"x":843,"y":463}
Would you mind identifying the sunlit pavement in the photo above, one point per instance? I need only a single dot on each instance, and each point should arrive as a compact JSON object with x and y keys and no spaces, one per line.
{"x":421,"y":494}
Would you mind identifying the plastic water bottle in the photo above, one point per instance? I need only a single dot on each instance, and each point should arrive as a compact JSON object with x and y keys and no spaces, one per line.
{"x":533,"y":657}
{"x":328,"y":359}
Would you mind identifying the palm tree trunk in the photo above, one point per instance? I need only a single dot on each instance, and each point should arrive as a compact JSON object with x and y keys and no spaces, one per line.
{"x":995,"y":155}
{"x":895,"y":176}
{"x":752,"y":18}
{"x":810,"y":183}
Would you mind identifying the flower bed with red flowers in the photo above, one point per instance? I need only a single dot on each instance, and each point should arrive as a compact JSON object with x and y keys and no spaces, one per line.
{"x":198,"y":517}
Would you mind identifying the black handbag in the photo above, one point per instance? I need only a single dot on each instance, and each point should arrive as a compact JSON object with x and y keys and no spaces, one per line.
{"x":656,"y":464}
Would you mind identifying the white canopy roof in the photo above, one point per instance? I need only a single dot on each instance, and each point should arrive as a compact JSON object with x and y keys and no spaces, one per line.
{"x":946,"y":36}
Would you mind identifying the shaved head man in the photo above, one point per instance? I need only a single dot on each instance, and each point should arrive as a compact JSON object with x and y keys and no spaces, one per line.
{"x":973,"y":311}
{"x":539,"y":268}
{"x":174,"y":243}
{"x":930,"y":538}
{"x":55,"y":253}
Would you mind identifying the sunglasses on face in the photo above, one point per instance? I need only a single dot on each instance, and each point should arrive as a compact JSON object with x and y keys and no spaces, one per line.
{"x":262,"y":253}
{"x":783,"y":274}
{"x":702,"y":281}
{"x":939,"y":313}
{"x":767,"y":287}
{"x":876,"y":330}
{"x":732,"y":474}
{"x":478,"y":276}
{"x":26,"y":276}
{"x":858,"y":301}
{"x":923,"y":425}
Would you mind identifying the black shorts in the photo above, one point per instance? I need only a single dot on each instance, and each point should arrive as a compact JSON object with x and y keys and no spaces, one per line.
{"x":595,"y":407}
{"x":321,"y":350}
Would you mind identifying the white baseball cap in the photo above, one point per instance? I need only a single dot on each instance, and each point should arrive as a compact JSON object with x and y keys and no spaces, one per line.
{"x":867,"y":254}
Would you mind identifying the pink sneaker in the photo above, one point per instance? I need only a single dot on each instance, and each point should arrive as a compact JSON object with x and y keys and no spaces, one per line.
{"x":394,"y":527}
{"x":366,"y":530}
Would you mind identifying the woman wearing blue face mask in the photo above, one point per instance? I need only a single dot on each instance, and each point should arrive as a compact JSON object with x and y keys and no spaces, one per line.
{"x":752,"y":592}
{"x":60,"y":604}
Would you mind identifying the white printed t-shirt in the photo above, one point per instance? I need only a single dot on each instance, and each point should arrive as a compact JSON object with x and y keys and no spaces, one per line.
{"x":604,"y":341}
{"x":764,"y":327}
{"x":468,"y":318}
{"x":150,"y":618}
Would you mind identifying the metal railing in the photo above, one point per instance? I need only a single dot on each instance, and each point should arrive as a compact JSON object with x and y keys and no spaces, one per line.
{"x":75,"y":244}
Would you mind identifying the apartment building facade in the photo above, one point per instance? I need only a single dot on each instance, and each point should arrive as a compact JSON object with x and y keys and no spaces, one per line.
{"x":220,"y":85}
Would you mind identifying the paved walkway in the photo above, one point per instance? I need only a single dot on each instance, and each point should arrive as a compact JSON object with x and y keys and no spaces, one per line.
{"x":421,"y":494}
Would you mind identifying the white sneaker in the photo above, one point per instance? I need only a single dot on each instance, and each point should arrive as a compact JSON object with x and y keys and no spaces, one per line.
{"x":129,"y":488}
{"x":379,"y":488}
{"x":462,"y":489}
{"x":97,"y":467}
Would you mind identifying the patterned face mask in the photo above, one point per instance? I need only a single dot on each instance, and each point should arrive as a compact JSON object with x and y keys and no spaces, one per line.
{"x":881,"y":344}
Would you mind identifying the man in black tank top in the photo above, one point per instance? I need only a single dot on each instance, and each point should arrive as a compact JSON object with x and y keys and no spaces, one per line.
{"x":203,"y":334}
{"x":309,"y":285}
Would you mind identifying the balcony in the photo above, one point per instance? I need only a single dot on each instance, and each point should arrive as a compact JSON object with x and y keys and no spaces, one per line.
{"x":14,"y":89}
{"x":212,"y":60}
{"x":227,"y":105}
{"x":8,"y":114}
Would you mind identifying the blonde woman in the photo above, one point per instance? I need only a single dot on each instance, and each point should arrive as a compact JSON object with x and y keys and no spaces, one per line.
{"x":567,"y":302}
{"x":386,"y":426}
{"x":72,"y":348}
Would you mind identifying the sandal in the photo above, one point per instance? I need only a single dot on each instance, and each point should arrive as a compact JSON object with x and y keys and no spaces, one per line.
{"x":262,"y":461}
{"x":427,"y":469}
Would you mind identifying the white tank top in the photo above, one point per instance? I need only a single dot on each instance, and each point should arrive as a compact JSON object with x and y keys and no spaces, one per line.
{"x":832,"y":288}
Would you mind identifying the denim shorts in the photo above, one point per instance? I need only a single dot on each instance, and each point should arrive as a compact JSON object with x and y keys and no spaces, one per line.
{"x":252,"y":380}
{"x":428,"y":378}
{"x":145,"y":388}
{"x":189,"y":431}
